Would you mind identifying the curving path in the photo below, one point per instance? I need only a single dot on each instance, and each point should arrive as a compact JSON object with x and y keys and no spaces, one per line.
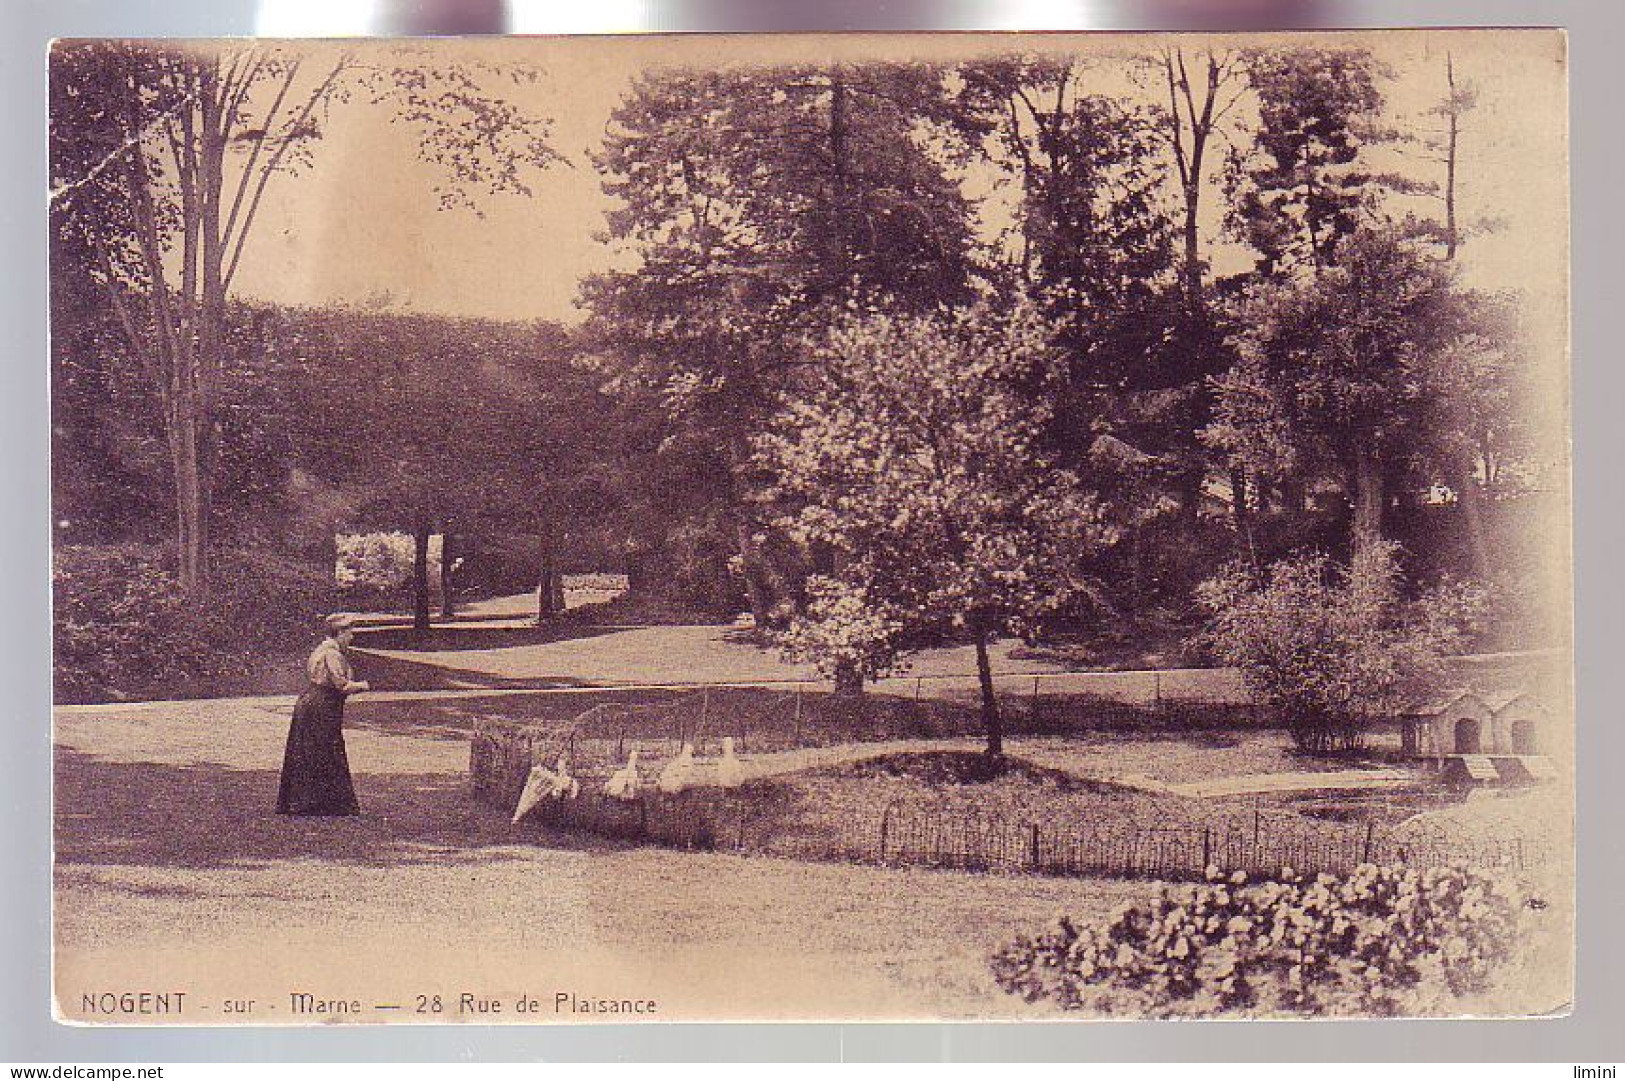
{"x":779,"y":763}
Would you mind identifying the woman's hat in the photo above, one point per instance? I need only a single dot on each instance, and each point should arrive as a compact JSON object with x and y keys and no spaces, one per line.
{"x":339,"y":621}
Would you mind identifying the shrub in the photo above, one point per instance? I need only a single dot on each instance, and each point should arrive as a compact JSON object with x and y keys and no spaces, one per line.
{"x":1329,"y":649}
{"x":120,"y":622}
{"x":266,"y":602}
{"x":1381,"y":941}
{"x":123,"y":628}
{"x":846,"y":636}
{"x":380,"y":563}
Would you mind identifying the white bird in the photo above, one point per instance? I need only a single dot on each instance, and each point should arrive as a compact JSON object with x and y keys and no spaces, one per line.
{"x":730,"y":774}
{"x":623,"y":783}
{"x":541,"y":784}
{"x":679,"y":772}
{"x":564,"y":786}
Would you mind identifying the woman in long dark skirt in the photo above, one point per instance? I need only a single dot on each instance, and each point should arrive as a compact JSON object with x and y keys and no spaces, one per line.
{"x":315,"y":769}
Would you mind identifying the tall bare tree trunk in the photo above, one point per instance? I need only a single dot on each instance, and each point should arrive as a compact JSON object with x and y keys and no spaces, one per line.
{"x":420,"y":576}
{"x":549,"y":601}
{"x":555,"y":585}
{"x":191,"y":526}
{"x":180,"y":111}
{"x":448,"y":591}
{"x":638,"y":579}
{"x":1453,"y":112}
{"x":1472,"y":513}
{"x":757,"y":590}
{"x":1200,"y":114}
{"x":1368,"y":499}
{"x":208,"y":360}
{"x":1243,"y":515}
{"x":1189,"y":158}
{"x":992,"y":724}
{"x":848,"y":680}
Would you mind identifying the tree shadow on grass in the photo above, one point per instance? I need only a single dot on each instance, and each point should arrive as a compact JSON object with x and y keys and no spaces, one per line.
{"x":210,"y":816}
{"x":400,"y":674}
{"x":459,"y":637}
{"x":453,"y":718}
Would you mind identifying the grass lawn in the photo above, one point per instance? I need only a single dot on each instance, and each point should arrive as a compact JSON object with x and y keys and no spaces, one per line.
{"x":172,"y":871}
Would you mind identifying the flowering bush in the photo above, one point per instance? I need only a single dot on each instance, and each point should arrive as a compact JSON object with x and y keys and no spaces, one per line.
{"x":380,"y":562}
{"x":1330,"y":649}
{"x":914,"y":462}
{"x":1381,"y":941}
{"x":841,"y":632}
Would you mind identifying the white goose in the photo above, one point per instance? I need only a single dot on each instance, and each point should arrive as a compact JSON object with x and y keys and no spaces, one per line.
{"x":564,"y":786}
{"x":730,"y":773}
{"x":623,"y":783}
{"x":679,"y":772}
{"x":541,"y":784}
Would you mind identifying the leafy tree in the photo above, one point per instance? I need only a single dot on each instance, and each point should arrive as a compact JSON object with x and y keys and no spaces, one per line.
{"x":1095,"y":233}
{"x":160,"y":159}
{"x":1092,"y":228}
{"x":1298,"y":189}
{"x":1479,"y":415}
{"x":915,"y":456}
{"x":109,"y":473}
{"x":1335,"y":372}
{"x":1196,"y":112}
{"x":1197,"y":109}
{"x":433,"y":423}
{"x":1460,"y":99}
{"x":754,"y":204}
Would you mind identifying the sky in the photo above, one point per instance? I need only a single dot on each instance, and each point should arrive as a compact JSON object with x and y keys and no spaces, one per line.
{"x":362,"y":223}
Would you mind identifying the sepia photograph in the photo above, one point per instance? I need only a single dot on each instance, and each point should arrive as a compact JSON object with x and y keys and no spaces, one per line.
{"x":906,"y":527}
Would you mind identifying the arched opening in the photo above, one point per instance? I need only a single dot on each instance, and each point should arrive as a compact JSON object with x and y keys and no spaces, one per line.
{"x":1467,"y":736}
{"x":1523,"y":737}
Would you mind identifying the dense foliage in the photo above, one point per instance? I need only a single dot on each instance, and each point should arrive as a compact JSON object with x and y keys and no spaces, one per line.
{"x":757,"y":204}
{"x":886,"y":353}
{"x":124,"y":630}
{"x":1381,"y":941}
{"x":161,"y":154}
{"x":912,"y":469}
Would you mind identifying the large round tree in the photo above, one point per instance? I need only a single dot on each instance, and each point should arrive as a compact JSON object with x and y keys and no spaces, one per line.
{"x":915,"y":458}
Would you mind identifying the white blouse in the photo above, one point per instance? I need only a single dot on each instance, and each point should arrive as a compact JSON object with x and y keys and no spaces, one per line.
{"x":330,"y":667}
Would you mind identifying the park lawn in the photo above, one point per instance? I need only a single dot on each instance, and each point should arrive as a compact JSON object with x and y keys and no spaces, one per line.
{"x":1177,"y":755}
{"x":170,"y":864}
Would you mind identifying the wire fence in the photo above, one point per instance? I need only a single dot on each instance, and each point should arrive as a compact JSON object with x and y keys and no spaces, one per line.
{"x":984,"y":842}
{"x":765,"y":719}
{"x":902,"y":835}
{"x":599,"y":738}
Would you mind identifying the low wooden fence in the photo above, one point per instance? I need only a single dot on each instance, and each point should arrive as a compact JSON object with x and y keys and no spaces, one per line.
{"x":984,"y":842}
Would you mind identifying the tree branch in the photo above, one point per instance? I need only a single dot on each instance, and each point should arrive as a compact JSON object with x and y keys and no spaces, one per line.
{"x":270,"y":168}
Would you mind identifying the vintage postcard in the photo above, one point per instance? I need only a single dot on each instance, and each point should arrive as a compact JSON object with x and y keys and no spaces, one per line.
{"x":919,"y":527}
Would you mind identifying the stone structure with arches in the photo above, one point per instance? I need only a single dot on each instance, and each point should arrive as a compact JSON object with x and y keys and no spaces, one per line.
{"x":1504,"y":737}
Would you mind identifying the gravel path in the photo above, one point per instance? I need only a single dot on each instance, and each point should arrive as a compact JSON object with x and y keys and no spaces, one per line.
{"x":1251,"y":784}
